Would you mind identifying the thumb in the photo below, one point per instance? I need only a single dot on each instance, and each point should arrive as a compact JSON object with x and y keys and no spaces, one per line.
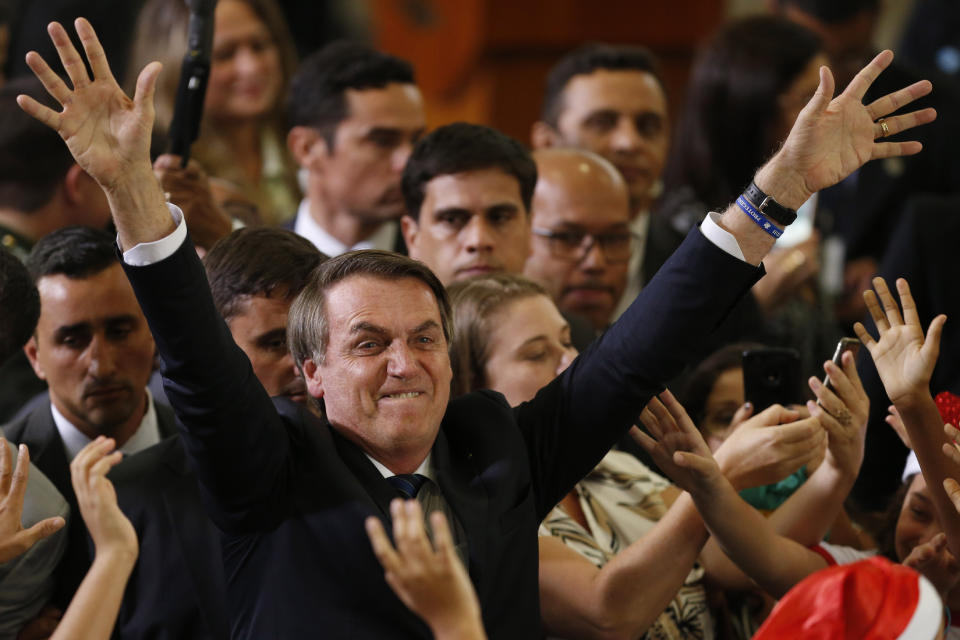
{"x":39,"y":531}
{"x":931,"y":343}
{"x":146,"y":87}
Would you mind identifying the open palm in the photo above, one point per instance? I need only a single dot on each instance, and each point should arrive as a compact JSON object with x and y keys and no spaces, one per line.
{"x":904,"y":357}
{"x":107,"y":132}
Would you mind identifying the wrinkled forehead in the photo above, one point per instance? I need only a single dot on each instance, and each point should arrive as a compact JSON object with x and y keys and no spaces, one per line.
{"x":395,"y":304}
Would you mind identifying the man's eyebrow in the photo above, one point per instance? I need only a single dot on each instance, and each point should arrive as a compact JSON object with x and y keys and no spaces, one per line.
{"x":72,"y":328}
{"x":429,"y":324}
{"x":270,"y":336}
{"x":452,"y":211}
{"x":503,"y":207}
{"x":367,"y":327}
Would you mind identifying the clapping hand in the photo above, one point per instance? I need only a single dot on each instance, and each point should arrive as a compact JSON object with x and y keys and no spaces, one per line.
{"x":110,"y":530}
{"x":14,"y":539}
{"x":429,"y":579}
{"x":934,"y":560}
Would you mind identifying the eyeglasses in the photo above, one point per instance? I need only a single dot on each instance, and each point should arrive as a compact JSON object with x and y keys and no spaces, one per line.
{"x":575,"y":245}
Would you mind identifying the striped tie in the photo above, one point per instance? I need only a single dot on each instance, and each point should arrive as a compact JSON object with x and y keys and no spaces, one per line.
{"x":407,"y":484}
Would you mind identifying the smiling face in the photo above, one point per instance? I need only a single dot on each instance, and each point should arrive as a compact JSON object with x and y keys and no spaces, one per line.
{"x":260,"y":329}
{"x":385,"y":377}
{"x":471,"y":223}
{"x":94,"y":349}
{"x":529,"y":346}
{"x":622,"y":116}
{"x":245,"y":70}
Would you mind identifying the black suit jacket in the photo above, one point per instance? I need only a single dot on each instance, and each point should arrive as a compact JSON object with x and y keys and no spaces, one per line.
{"x":38,"y":431}
{"x":177,"y":588}
{"x":291,"y":494}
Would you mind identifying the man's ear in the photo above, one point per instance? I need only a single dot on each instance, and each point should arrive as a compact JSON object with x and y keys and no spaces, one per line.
{"x":75,"y":184}
{"x":30,"y":349}
{"x":410,"y":229}
{"x":311,"y":375}
{"x":543,"y":136}
{"x":306,"y":145}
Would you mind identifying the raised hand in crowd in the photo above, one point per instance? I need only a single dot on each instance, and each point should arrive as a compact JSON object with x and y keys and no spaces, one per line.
{"x":14,"y":539}
{"x":107,"y":133}
{"x":93,"y":610}
{"x":905,"y":358}
{"x":429,"y":579}
{"x":189,"y":188}
{"x":832,"y":138}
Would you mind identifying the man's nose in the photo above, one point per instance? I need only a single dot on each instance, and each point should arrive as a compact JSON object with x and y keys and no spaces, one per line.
{"x":400,"y":156}
{"x":478,"y":235}
{"x":626,"y":138}
{"x":102,"y":357}
{"x":594,"y":259}
{"x":401,"y":362}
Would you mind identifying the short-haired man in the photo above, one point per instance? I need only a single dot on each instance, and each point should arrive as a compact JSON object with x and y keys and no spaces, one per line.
{"x":291,"y":493}
{"x":93,"y":348}
{"x":609,"y":99}
{"x":178,"y":588}
{"x":354,"y":115}
{"x":468,"y":190}
{"x":581,"y":233}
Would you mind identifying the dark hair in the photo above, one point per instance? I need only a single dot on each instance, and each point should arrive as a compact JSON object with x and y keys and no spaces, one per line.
{"x":33,"y":158}
{"x":308,"y":330}
{"x":19,"y":304}
{"x":251,"y":262}
{"x":832,"y":11}
{"x":76,"y":252}
{"x":728,"y":125}
{"x":460,"y":147}
{"x":587,"y":59}
{"x":701,"y":380}
{"x":317,"y":96}
{"x":474,"y":302}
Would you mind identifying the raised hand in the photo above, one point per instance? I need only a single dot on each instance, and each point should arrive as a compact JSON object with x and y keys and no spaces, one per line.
{"x":676,"y":445}
{"x":14,"y":539}
{"x":904,"y":357}
{"x":107,"y":132}
{"x":110,"y":529}
{"x":843,"y":413}
{"x":770,"y":446}
{"x":429,"y":579}
{"x":833,"y":137}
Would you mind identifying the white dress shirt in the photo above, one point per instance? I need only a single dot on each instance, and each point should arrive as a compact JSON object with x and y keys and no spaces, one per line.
{"x":306,"y":226}
{"x":146,"y":435}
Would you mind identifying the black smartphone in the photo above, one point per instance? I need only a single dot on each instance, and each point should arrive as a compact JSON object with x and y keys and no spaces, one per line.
{"x":771,"y":376}
{"x":843,"y":345}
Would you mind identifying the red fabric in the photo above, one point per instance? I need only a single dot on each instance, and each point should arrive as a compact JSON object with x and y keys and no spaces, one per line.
{"x":949,"y":406}
{"x":873,"y":599}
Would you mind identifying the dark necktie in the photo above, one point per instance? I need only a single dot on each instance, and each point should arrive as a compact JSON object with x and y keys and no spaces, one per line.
{"x":407,"y":484}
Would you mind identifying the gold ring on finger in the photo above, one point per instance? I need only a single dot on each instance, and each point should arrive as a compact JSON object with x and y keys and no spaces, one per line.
{"x":884,"y":127}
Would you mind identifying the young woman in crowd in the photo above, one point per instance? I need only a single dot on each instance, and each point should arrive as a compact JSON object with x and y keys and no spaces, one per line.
{"x":925,"y":519}
{"x":242,"y":144}
{"x":511,"y":338}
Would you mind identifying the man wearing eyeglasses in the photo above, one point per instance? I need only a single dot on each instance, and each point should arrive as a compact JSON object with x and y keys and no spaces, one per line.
{"x":581,"y":241}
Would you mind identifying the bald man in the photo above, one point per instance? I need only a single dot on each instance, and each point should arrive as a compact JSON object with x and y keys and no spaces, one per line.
{"x":581,"y":241}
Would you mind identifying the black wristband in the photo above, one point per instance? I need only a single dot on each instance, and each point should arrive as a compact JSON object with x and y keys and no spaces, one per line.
{"x":768,"y":206}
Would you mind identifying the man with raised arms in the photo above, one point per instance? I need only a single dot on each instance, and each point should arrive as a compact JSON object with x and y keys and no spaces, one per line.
{"x":370,"y":332}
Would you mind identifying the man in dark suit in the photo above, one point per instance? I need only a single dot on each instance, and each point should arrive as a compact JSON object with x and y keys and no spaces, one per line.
{"x":354,"y":115}
{"x":177,"y":589}
{"x":93,"y":347}
{"x":291,"y":492}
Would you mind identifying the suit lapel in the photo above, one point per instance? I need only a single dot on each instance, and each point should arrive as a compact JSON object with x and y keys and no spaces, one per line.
{"x":459,"y":481}
{"x":369,"y":477}
{"x":47,"y":451}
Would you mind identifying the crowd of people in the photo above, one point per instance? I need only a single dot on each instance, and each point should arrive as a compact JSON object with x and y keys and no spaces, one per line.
{"x":344,"y":376}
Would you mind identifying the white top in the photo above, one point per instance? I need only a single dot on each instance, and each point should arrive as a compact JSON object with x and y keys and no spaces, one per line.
{"x":425,"y":468}
{"x":307,"y":227}
{"x":146,"y":435}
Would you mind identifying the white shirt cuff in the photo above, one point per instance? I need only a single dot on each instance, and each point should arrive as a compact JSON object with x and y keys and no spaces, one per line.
{"x":147,"y":253}
{"x":719,"y":236}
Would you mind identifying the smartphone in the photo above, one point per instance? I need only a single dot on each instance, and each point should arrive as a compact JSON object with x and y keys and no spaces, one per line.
{"x":771,"y":376}
{"x":843,"y":345}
